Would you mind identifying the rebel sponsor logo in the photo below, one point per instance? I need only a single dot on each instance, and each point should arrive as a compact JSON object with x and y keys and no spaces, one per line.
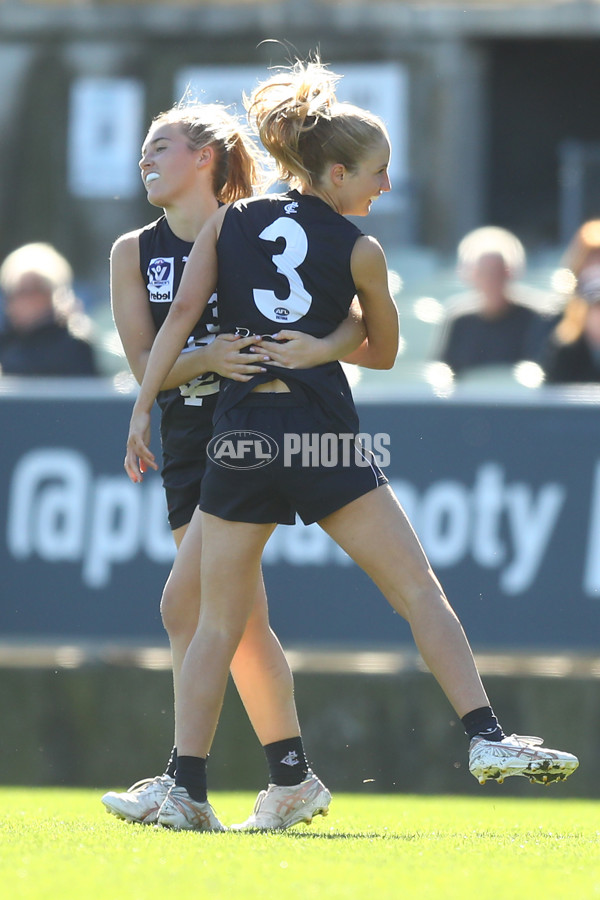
{"x":160,"y":279}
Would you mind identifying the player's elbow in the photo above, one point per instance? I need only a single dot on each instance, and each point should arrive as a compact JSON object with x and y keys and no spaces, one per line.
{"x":384,"y":357}
{"x":386,"y":362}
{"x":182,"y":307}
{"x":138,"y":367}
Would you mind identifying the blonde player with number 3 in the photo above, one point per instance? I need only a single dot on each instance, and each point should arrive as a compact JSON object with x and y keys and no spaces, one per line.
{"x":194,"y":158}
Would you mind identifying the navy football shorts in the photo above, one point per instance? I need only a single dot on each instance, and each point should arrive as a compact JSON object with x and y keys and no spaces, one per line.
{"x":271,"y":458}
{"x":182,"y":479}
{"x":182,"y":472}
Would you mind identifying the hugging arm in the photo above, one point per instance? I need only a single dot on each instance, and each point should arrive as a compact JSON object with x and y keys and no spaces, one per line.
{"x":380,"y":314}
{"x":197,"y":285}
{"x":367,"y":337}
{"x":137,"y":331}
{"x":298,"y":350}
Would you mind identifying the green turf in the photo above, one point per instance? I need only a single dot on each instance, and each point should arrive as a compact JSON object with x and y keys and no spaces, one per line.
{"x":61,"y":844}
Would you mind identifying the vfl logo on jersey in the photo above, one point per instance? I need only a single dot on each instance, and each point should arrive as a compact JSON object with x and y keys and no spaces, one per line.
{"x":291,"y":208}
{"x":160,"y":279}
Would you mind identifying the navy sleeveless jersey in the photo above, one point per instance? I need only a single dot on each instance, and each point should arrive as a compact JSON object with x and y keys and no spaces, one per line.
{"x":284,"y":263}
{"x":162,"y":259}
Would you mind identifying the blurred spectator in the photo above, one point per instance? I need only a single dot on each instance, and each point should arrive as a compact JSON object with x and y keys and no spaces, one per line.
{"x":573,"y":353}
{"x":45,"y":331}
{"x":498,"y":321}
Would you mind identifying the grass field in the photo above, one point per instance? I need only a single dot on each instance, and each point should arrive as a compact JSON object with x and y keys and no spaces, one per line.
{"x":61,"y":844}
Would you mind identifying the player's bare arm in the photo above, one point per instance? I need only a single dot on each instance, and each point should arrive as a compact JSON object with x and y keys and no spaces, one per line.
{"x":129,"y":302}
{"x":380,"y":314}
{"x":197,"y":285}
{"x":137,"y":331}
{"x":297,"y":350}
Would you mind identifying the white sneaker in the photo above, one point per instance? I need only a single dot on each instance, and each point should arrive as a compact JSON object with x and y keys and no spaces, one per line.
{"x":519,"y":754}
{"x":281,"y":807}
{"x":182,"y":813}
{"x":141,"y":802}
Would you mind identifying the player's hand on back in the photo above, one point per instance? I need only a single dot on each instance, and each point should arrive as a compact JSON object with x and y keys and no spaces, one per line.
{"x":230,"y":357}
{"x":293,"y":350}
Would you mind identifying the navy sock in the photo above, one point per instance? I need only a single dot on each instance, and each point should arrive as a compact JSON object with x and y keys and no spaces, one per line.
{"x":172,"y":764}
{"x":482,"y":722}
{"x":191,"y":774}
{"x":287,"y":762}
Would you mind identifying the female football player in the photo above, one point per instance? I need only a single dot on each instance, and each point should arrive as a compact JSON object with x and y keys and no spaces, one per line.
{"x":194,"y":158}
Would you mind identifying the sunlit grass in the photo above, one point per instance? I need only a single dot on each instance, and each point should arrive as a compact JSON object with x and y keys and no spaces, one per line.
{"x":62,"y":844}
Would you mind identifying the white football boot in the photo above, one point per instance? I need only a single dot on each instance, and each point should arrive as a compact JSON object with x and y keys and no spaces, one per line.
{"x":281,"y":807}
{"x":141,"y":802}
{"x":180,"y":812}
{"x":519,"y":754}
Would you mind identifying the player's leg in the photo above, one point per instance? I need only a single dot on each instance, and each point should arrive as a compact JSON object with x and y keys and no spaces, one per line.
{"x":263,"y":677}
{"x":180,"y":601}
{"x":376,"y":533}
{"x":265,"y":684}
{"x":231,"y":556}
{"x":179,"y":606}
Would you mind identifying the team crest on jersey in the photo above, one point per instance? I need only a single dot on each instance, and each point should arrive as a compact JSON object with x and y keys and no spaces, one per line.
{"x":291,"y":208}
{"x":160,"y":279}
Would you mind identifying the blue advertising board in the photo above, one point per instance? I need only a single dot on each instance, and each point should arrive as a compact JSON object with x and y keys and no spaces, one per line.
{"x":505,"y":497}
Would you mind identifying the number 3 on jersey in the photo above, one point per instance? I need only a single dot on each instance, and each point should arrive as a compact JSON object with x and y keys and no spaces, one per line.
{"x":297,"y":304}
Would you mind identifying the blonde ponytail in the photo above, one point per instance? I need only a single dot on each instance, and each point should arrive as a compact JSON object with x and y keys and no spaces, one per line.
{"x":303,"y":126}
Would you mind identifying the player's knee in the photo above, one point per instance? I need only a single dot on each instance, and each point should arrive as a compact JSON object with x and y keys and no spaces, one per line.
{"x":179,"y":612}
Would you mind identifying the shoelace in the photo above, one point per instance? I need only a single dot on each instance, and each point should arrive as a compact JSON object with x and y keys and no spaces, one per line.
{"x":259,"y":801}
{"x":144,"y":783}
{"x":527,"y":739}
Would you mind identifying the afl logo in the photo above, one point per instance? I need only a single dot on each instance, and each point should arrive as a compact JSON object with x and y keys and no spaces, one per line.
{"x":281,"y":312}
{"x":242,"y":449}
{"x":159,"y":272}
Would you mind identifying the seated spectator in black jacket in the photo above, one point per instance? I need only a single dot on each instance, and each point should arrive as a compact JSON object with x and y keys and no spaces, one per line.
{"x":45,"y":331}
{"x":498,"y":321}
{"x":573,"y":353}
